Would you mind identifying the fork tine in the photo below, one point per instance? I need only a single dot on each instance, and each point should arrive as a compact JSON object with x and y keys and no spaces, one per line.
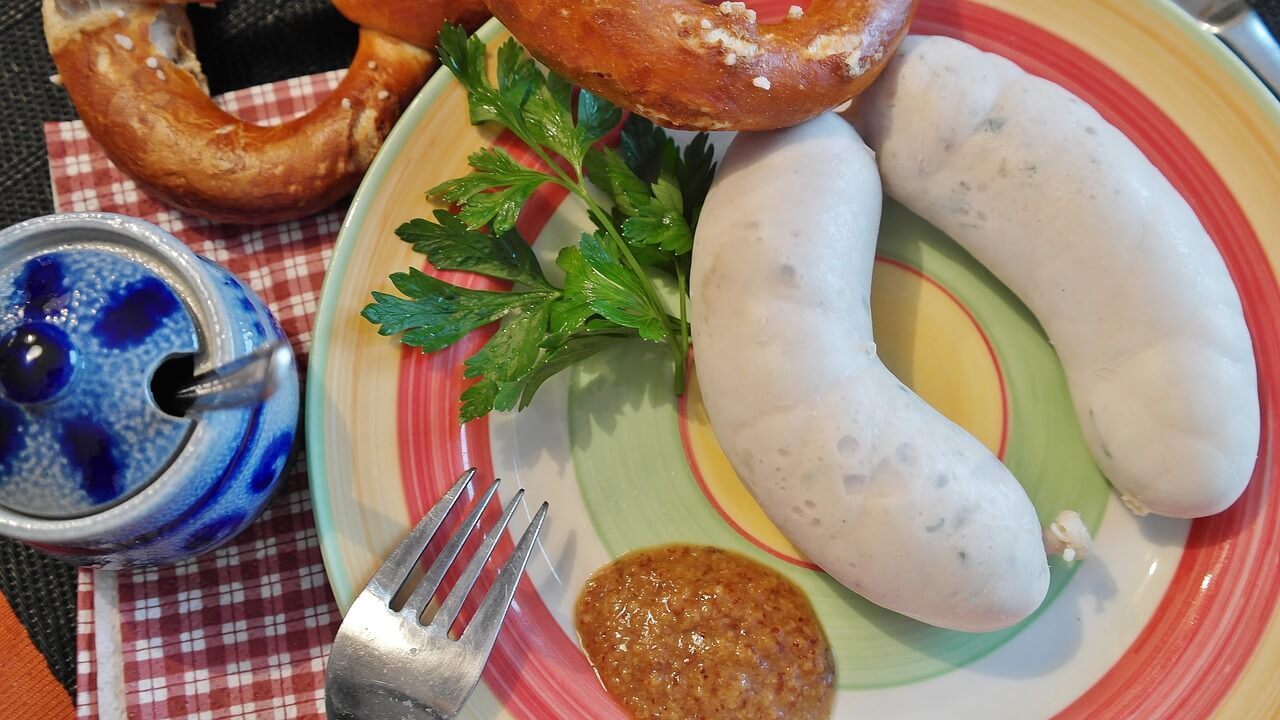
{"x":426,"y":588}
{"x":483,"y":629}
{"x":452,"y":604}
{"x":387,"y":580}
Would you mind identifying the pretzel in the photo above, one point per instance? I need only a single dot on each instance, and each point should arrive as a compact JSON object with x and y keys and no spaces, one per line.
{"x":692,"y":66}
{"x":131,"y":71}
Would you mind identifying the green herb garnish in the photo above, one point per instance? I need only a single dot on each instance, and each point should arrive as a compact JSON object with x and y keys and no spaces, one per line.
{"x":609,"y":292}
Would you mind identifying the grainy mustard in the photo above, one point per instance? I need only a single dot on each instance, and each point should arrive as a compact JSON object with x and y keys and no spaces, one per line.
{"x":684,"y":632}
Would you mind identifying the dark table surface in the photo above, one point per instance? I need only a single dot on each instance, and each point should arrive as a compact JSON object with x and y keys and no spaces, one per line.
{"x":242,"y":43}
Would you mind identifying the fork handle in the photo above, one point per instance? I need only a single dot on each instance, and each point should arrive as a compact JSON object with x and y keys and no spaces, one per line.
{"x":1249,"y":37}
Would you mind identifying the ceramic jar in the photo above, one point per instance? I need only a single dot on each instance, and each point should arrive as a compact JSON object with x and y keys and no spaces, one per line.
{"x":100,"y":315}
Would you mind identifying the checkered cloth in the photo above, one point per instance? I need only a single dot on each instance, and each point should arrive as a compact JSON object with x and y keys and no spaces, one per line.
{"x":242,"y":631}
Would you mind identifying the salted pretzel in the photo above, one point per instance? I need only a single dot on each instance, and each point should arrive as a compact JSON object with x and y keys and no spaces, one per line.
{"x":685,"y":64}
{"x":131,"y":71}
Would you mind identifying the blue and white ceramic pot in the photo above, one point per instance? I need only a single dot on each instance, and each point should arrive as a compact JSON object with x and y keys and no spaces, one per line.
{"x":99,"y":315}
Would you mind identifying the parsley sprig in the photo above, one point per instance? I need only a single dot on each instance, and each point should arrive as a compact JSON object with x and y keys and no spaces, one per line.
{"x":654,"y":193}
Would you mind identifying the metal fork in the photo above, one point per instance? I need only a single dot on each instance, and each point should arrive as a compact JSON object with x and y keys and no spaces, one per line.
{"x":389,"y":664}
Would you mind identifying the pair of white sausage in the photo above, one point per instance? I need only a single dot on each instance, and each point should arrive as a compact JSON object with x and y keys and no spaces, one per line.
{"x":889,"y":497}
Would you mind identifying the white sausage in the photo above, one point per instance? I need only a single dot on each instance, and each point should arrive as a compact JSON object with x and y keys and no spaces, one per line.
{"x":889,"y":497}
{"x":1076,"y":221}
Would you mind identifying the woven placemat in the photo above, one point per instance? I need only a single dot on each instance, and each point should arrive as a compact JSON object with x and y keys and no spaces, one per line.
{"x":242,"y":43}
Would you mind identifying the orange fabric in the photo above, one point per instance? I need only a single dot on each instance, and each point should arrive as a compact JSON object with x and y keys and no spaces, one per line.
{"x":27,"y":686}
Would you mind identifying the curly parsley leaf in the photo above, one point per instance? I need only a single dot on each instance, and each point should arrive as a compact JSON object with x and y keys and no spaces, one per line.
{"x":659,"y":221}
{"x":608,"y":171}
{"x":518,"y":75}
{"x":450,"y":245}
{"x":609,"y":295}
{"x":560,"y":89}
{"x":596,"y":117}
{"x":435,"y":314}
{"x":464,"y":55}
{"x":694,"y":173}
{"x":508,"y":356}
{"x":594,"y":275}
{"x":652,"y":214}
{"x":571,"y":352}
{"x":651,"y":155}
{"x":550,"y":125}
{"x":529,"y":104}
{"x":571,"y":311}
{"x":495,"y":192}
{"x":647,"y":149}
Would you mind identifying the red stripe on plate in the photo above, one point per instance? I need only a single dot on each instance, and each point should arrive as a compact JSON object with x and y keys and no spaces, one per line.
{"x":536,"y":671}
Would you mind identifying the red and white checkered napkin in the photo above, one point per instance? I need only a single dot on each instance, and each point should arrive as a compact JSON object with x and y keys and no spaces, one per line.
{"x":242,"y":631}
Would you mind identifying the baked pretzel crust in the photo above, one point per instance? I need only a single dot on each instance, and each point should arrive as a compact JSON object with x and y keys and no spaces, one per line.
{"x":687,"y":65}
{"x":132,"y":74}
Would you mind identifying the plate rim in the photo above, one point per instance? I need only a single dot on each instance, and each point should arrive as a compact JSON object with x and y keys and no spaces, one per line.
{"x":318,"y":358}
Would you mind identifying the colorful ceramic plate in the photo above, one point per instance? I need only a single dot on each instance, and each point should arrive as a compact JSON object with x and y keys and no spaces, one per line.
{"x":1169,"y":619}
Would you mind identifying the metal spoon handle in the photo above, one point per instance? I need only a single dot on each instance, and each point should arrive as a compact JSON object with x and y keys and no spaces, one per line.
{"x":1249,"y":37}
{"x":246,"y":381}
